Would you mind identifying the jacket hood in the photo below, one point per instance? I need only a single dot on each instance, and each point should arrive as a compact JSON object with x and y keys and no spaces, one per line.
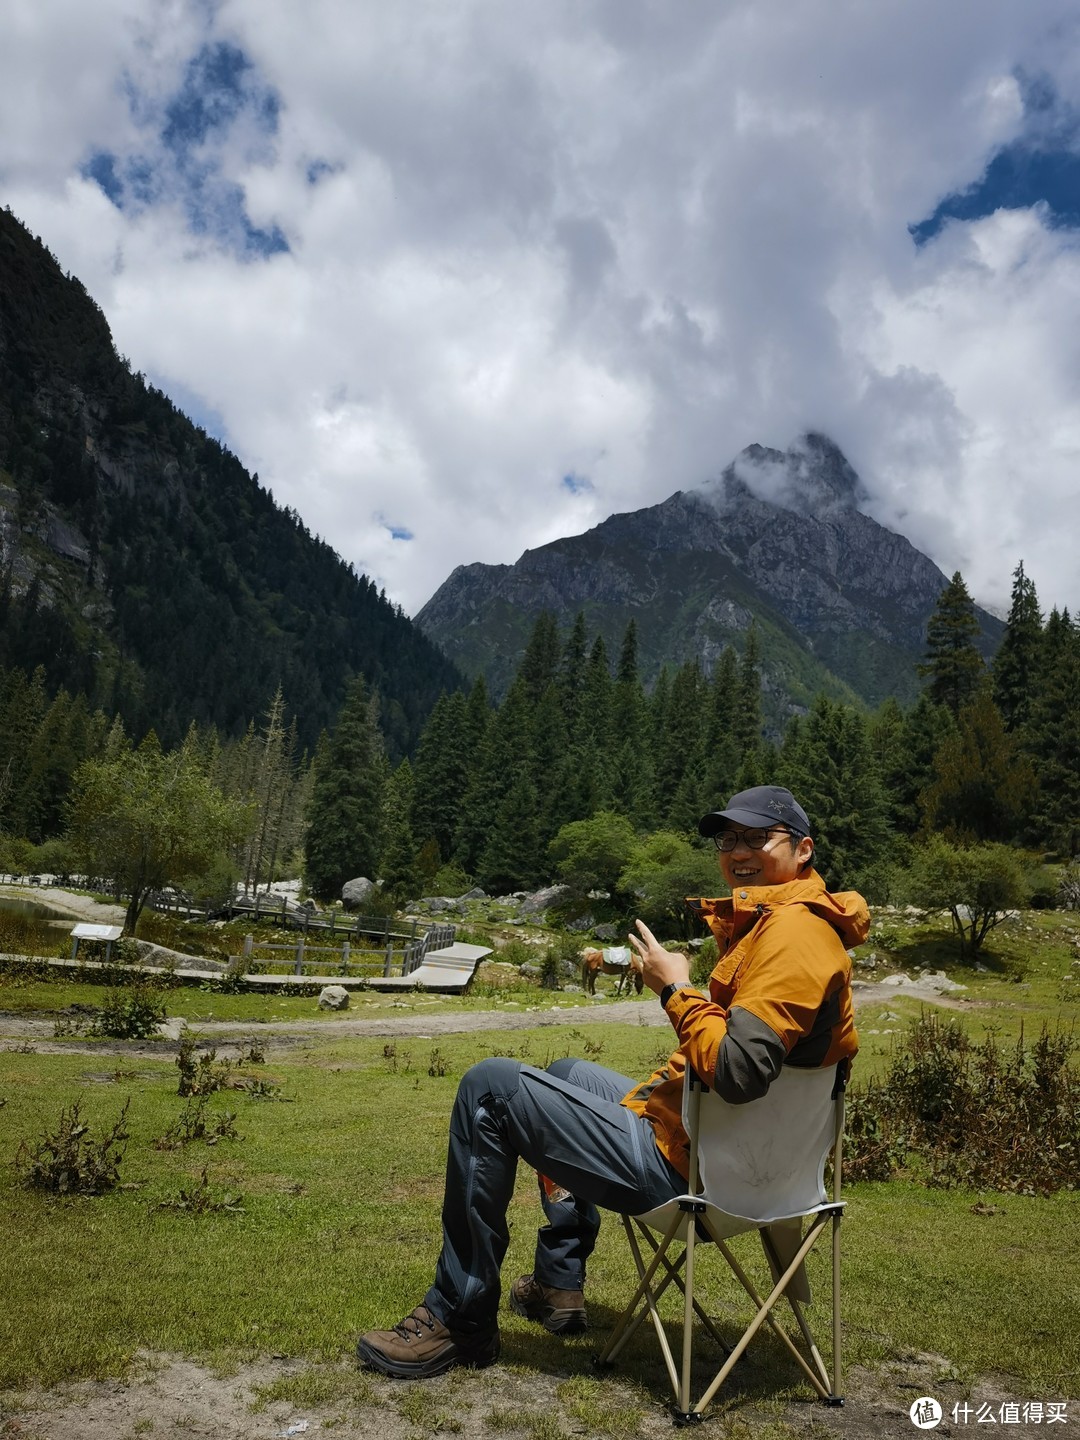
{"x":846,"y":910}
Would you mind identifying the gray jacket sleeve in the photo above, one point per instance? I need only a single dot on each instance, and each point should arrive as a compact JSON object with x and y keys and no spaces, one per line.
{"x":750,"y":1058}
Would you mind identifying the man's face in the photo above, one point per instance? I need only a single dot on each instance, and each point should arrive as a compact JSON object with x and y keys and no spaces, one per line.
{"x":775,"y":864}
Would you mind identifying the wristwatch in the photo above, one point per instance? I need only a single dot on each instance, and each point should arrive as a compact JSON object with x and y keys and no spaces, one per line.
{"x":669,"y":990}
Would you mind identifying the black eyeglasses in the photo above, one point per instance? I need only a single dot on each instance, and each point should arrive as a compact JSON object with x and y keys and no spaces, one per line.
{"x":753,"y":839}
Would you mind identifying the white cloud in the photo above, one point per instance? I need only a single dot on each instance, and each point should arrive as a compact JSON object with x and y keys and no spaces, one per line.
{"x":615,"y":240}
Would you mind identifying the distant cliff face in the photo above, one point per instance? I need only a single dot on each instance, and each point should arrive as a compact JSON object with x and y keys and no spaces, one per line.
{"x":141,"y":565}
{"x":840,"y":603}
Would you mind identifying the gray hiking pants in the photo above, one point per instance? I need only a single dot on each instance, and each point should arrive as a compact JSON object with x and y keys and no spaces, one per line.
{"x":567,"y":1123}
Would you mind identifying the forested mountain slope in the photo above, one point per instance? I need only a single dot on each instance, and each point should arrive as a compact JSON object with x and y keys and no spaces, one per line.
{"x":142,"y":565}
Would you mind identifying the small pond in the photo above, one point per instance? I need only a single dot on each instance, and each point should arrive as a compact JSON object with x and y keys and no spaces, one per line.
{"x":34,"y":910}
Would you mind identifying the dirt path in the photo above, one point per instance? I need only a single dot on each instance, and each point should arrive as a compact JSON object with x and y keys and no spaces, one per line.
{"x":17,"y":1031}
{"x":168,"y":1397}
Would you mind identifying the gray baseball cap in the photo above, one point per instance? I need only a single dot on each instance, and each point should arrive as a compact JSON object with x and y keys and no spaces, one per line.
{"x":764,"y":806}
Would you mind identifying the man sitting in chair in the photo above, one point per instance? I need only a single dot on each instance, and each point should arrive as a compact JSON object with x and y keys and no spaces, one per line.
{"x":780,"y":994}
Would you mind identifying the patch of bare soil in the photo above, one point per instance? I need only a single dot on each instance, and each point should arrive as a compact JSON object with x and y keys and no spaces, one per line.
{"x":167,"y":1397}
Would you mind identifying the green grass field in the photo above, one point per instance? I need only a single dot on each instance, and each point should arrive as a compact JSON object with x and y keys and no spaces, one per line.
{"x":338,"y":1183}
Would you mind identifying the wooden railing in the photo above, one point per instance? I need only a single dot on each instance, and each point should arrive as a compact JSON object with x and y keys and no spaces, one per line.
{"x":384,"y":958}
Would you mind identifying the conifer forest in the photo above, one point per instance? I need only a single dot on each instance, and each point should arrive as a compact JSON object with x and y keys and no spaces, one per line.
{"x":579,"y":776}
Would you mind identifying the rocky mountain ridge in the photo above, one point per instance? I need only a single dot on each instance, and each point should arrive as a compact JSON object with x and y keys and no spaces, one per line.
{"x":840,"y":602}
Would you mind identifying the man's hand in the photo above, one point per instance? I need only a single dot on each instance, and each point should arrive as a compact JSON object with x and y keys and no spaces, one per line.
{"x":659,"y":967}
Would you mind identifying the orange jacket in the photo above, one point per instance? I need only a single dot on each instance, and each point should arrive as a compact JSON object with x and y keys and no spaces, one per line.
{"x":780,"y":994}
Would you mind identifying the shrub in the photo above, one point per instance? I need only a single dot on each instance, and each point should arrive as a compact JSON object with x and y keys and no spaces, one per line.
{"x":977,"y":884}
{"x":70,"y":1160}
{"x":130,"y":1012}
{"x":200,"y":1076}
{"x":196,"y":1123}
{"x":972,"y":1114}
{"x":1068,"y":894}
{"x":449,"y":880}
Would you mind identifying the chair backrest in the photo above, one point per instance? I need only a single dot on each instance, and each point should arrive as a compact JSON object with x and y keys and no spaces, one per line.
{"x":765,"y":1160}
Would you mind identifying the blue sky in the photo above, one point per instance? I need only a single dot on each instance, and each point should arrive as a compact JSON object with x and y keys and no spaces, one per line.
{"x":456,"y":278}
{"x":1039,"y":167}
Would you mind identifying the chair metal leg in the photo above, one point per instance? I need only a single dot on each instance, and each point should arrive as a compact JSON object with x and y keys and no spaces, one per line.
{"x":764,"y":1315}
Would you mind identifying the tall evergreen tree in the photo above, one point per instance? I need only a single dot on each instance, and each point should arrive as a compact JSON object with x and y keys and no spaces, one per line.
{"x":1016,"y":664}
{"x":512,"y":857}
{"x":828,"y":761}
{"x":680,"y":758}
{"x":548,"y":763}
{"x":631,"y":767}
{"x":590,"y":758}
{"x":441,"y":773}
{"x":398,"y":869}
{"x":540,"y":663}
{"x":572,"y":674}
{"x":748,"y":718}
{"x":982,"y":787}
{"x":344,"y":839}
{"x":504,"y":754}
{"x":722,"y":757}
{"x":953,"y":666}
{"x":1051,"y":737}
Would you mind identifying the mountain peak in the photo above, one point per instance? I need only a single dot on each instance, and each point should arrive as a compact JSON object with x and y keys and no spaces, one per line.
{"x":811,"y":477}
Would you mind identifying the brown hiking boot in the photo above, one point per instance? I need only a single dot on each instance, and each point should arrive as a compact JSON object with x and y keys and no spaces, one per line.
{"x":421,"y":1346}
{"x":560,"y":1311}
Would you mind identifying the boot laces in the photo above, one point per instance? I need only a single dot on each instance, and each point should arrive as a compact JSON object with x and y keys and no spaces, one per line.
{"x":419,"y":1317}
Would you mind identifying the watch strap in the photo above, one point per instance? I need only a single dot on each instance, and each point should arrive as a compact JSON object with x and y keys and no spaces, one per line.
{"x":669,"y":990}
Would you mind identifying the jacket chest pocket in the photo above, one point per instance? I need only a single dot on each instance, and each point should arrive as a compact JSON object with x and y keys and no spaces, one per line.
{"x":722,"y":979}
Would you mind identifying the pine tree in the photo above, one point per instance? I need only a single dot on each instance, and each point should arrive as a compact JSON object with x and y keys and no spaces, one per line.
{"x":572,"y":674}
{"x":631,"y":768}
{"x":548,"y":763}
{"x":953,"y":665}
{"x":1017,"y":662}
{"x":540,"y":663}
{"x":345,"y":815}
{"x":982,"y":788}
{"x":748,"y":719}
{"x":512,"y":854}
{"x":680,"y":756}
{"x":398,"y":869}
{"x":590,"y":755}
{"x":722,"y":756}
{"x":1051,"y":738}
{"x":827,"y":760}
{"x":441,"y":773}
{"x":504,"y":754}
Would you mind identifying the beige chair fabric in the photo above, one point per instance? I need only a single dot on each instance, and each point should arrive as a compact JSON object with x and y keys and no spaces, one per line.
{"x":758,"y":1166}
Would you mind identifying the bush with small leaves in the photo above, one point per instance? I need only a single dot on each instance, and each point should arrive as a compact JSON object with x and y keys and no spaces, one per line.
{"x":195,"y":1122}
{"x":130,"y":1012}
{"x":71,"y":1160}
{"x":204,"y":1075}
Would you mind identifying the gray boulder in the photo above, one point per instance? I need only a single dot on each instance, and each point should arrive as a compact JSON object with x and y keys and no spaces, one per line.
{"x":474,"y":894}
{"x":354,"y":893}
{"x":333,"y":997}
{"x":441,"y":905}
{"x":542,"y":900}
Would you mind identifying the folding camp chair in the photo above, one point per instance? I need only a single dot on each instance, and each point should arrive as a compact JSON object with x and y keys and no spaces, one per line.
{"x":757,"y":1166}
